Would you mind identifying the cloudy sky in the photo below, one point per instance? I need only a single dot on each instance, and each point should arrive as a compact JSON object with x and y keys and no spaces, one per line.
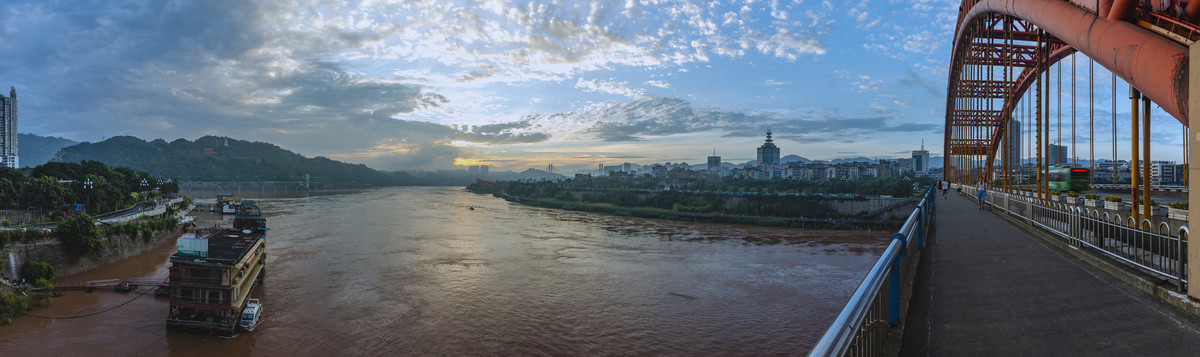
{"x":516,"y":84}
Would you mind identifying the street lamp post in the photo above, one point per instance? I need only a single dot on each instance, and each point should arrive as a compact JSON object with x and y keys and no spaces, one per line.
{"x":87,"y":189}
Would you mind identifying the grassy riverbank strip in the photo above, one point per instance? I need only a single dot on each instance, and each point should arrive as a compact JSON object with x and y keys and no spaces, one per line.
{"x":647,"y":212}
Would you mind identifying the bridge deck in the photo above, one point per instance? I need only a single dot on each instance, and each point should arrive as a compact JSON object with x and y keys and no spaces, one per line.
{"x":987,"y":287}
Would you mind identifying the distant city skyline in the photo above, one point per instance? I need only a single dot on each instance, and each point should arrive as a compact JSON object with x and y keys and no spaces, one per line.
{"x":440,"y":85}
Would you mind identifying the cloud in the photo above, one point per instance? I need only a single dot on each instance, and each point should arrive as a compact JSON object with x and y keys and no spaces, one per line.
{"x":188,"y":69}
{"x":419,"y":158}
{"x":610,"y":87}
{"x":864,"y":83}
{"x":393,"y":83}
{"x":657,"y":83}
{"x":912,"y":79}
{"x":655,"y":117}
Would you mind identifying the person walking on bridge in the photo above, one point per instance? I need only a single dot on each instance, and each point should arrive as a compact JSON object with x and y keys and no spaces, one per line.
{"x":945,"y":186}
{"x":980,"y":192}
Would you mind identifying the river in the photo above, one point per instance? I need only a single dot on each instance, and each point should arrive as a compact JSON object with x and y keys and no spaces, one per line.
{"x":416,"y":271}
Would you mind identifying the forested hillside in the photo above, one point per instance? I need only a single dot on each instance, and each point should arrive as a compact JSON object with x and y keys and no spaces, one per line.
{"x":212,"y":158}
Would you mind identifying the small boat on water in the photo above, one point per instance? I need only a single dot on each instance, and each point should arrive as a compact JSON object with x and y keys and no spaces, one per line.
{"x":251,"y":315}
{"x":125,"y":286}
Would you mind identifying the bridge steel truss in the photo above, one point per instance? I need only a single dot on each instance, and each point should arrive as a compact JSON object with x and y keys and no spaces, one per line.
{"x":1003,"y":50}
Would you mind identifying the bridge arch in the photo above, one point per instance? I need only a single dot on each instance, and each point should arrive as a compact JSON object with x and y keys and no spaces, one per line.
{"x":1027,"y":36}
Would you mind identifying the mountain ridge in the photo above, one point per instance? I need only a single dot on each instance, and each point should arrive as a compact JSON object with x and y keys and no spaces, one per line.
{"x":36,"y":149}
{"x":213,"y":158}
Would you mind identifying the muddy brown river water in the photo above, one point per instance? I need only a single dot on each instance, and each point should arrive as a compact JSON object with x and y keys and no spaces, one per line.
{"x":415,"y":271}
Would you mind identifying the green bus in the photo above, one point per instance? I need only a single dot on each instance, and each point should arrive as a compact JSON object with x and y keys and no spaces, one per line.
{"x":1067,"y":178}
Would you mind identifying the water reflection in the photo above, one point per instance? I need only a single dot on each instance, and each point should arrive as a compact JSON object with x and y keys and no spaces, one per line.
{"x":414,"y":270}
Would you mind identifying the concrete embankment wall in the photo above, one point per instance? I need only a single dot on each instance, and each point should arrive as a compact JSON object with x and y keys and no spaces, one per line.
{"x":873,"y":204}
{"x":120,"y":247}
{"x":843,"y":206}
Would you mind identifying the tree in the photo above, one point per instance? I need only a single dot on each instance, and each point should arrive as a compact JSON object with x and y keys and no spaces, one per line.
{"x":565,"y":196}
{"x":7,"y":192}
{"x":43,"y":192}
{"x":33,"y":271}
{"x":80,"y":235}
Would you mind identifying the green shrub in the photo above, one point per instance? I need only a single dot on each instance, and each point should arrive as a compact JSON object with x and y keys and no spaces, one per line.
{"x":1091,"y":196}
{"x":1072,"y":194}
{"x":32,"y":271}
{"x":43,"y":283}
{"x":6,"y":223}
{"x":80,"y":235}
{"x":31,"y":235}
{"x":1175,"y":205}
{"x":565,"y":196}
{"x":1112,"y":198}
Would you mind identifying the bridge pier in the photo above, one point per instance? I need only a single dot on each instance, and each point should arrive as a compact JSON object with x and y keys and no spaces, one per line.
{"x":1193,"y":167}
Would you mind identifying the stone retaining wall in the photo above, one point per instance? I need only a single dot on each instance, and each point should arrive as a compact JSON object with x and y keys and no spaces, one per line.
{"x":120,"y":247}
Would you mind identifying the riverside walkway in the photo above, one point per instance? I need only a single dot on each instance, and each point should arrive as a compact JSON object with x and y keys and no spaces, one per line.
{"x":988,"y":287}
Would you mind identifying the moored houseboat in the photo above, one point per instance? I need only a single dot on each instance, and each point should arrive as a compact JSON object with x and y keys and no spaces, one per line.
{"x":213,"y":276}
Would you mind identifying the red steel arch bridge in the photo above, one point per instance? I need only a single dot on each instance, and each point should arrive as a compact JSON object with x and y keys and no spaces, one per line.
{"x":998,"y":103}
{"x":1003,"y":118}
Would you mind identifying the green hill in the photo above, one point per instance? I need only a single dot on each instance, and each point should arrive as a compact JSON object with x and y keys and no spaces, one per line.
{"x":212,"y":158}
{"x":36,"y":149}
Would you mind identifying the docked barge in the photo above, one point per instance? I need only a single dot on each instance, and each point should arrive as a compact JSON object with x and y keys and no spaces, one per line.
{"x":213,"y":275}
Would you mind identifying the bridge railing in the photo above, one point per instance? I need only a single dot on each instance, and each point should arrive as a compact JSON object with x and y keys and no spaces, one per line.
{"x":1106,"y":233}
{"x":862,"y":327}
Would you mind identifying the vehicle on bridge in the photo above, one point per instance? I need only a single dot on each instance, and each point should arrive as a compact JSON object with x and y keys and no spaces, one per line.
{"x":1069,"y":178}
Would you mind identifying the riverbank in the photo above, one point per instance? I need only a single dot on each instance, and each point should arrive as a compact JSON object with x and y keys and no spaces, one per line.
{"x":122,"y":242}
{"x":768,"y":221}
{"x":119,"y":246}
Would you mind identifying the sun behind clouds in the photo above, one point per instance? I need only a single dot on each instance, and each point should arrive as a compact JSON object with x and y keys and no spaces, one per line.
{"x":458,"y":161}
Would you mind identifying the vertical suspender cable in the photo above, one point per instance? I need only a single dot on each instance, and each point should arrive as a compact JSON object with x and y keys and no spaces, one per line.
{"x":1046,"y":158}
{"x":1134,"y":159}
{"x":1091,"y":124}
{"x":1037,"y":117}
{"x":1074,"y":156}
{"x":1146,"y":178}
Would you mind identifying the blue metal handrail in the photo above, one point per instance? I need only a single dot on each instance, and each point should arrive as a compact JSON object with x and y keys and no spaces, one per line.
{"x":849,"y":322}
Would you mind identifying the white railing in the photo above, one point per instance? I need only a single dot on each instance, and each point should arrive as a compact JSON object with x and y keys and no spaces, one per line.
{"x":1105,"y":232}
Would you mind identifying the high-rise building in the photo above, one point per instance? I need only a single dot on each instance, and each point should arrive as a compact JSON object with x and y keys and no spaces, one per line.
{"x":920,"y":160}
{"x":768,"y":153}
{"x":483,"y":170}
{"x":1163,"y":173}
{"x":473,"y":171}
{"x":8,"y":129}
{"x":1013,"y":142}
{"x":714,"y":163}
{"x":1058,"y":155}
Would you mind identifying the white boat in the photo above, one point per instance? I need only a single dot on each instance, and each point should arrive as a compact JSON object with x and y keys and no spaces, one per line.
{"x":251,"y":315}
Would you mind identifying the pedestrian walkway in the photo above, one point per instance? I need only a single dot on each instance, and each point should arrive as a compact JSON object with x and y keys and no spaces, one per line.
{"x":986,"y":287}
